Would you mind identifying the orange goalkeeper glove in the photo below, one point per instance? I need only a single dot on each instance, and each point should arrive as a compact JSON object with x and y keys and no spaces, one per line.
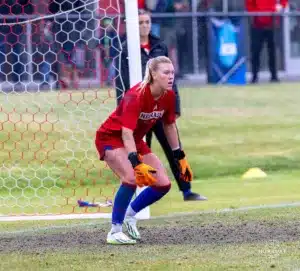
{"x":143,"y":173}
{"x":185,"y":170}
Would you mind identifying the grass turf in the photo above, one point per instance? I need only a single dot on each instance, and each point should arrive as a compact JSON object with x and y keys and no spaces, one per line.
{"x":46,"y":151}
{"x":257,"y":255}
{"x":49,"y":160}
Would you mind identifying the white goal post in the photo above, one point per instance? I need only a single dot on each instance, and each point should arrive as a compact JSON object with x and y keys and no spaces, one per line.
{"x":134,"y":61}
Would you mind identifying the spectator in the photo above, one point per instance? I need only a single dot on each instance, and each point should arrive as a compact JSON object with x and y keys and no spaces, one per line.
{"x":15,"y":38}
{"x":152,"y":46}
{"x":295,"y":35}
{"x":110,"y":48}
{"x":263,"y":30}
{"x":183,"y":37}
{"x":210,"y":5}
{"x":47,"y":49}
{"x":70,"y":54}
{"x":72,"y":65}
{"x":165,"y":27}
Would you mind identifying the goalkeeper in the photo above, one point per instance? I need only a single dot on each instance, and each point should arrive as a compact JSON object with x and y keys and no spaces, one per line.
{"x":119,"y":141}
{"x":151,"y":46}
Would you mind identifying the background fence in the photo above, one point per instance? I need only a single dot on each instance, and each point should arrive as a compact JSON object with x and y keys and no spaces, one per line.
{"x":39,"y":53}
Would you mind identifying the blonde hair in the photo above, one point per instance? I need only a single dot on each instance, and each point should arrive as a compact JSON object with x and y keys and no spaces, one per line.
{"x":152,"y":66}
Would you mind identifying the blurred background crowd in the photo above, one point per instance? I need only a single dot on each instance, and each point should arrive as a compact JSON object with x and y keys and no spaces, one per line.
{"x":77,"y":47}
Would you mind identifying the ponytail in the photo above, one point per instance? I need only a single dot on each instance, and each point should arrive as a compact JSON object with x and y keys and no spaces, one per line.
{"x":148,"y":79}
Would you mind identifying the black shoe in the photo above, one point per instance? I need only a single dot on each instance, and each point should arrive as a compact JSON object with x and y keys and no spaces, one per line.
{"x":274,"y":80}
{"x":254,"y":80}
{"x":194,"y":197}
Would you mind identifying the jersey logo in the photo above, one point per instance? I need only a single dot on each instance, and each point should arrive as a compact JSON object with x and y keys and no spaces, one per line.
{"x":151,"y":115}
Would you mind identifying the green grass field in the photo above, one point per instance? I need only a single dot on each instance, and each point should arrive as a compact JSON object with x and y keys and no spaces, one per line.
{"x":48,"y":161}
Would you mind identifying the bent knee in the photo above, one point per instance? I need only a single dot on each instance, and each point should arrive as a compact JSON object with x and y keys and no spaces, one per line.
{"x":163,"y":180}
{"x":163,"y":188}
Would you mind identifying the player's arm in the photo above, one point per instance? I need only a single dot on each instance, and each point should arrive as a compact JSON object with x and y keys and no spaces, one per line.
{"x":128,"y":140}
{"x":169,"y":121}
{"x":172,"y":136}
{"x":171,"y":133}
{"x":130,"y":115}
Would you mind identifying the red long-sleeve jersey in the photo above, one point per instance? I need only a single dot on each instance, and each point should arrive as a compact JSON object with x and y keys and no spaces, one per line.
{"x":139,"y":111}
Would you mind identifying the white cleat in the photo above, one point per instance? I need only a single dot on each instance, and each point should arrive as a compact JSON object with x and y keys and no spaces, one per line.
{"x":130,"y":224}
{"x":119,"y":238}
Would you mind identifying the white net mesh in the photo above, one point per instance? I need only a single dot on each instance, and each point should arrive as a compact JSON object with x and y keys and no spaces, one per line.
{"x":55,"y":79}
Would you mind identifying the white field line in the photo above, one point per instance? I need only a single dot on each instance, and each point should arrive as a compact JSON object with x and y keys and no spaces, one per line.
{"x":232,"y":210}
{"x":53,"y":217}
{"x":4,"y":218}
{"x":108,"y":216}
{"x":55,"y":227}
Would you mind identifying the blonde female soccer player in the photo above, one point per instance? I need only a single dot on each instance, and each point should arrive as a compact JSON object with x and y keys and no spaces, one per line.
{"x":119,"y":141}
{"x":152,"y":46}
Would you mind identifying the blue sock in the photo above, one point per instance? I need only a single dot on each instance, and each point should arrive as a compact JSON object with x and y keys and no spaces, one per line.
{"x":148,"y":197}
{"x":121,"y":203}
{"x":187,"y":192}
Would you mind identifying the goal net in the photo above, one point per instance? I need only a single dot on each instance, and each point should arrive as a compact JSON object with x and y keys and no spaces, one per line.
{"x":58,"y":68}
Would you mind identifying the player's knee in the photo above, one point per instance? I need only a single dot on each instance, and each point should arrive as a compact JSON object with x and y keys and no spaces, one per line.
{"x":163,"y":188}
{"x":167,"y":187}
{"x":163,"y":180}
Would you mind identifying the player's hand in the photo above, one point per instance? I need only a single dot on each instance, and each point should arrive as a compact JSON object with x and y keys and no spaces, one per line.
{"x":143,"y":172}
{"x":143,"y":175}
{"x":185,"y":169}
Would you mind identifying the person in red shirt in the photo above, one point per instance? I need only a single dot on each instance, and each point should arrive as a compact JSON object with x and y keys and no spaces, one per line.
{"x":263,"y":30}
{"x":152,"y":46}
{"x":119,"y":141}
{"x":141,"y":4}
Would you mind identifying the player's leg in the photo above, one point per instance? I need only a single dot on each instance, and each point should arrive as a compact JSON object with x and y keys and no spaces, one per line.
{"x":184,"y":187}
{"x":149,"y":138}
{"x":118,"y":162}
{"x":158,"y":190}
{"x":271,"y":45}
{"x":149,"y":195}
{"x":257,"y":41}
